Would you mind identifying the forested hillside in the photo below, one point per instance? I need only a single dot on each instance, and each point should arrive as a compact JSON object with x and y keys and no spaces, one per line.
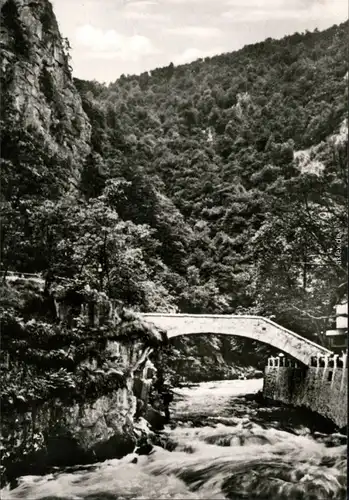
{"x":219,"y":186}
{"x":238,"y":164}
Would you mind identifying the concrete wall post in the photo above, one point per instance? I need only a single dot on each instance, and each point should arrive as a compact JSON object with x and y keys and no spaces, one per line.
{"x":344,"y":369}
{"x":325,"y":367}
{"x":326,"y":361}
{"x":318,"y":356}
{"x":335,"y":358}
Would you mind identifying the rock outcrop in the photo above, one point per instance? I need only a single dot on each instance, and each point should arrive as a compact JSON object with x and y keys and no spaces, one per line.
{"x":90,"y":401}
{"x":57,"y":432}
{"x":36,"y":80}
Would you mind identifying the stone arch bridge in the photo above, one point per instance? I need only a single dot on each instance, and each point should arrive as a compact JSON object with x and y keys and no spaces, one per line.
{"x":252,"y":327}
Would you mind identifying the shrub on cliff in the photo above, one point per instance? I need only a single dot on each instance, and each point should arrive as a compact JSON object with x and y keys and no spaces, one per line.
{"x":45,"y":359}
{"x":132,"y":326}
{"x":22,"y":386}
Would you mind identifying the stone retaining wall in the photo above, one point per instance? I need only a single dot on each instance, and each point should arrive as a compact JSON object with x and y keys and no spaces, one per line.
{"x":322,"y":389}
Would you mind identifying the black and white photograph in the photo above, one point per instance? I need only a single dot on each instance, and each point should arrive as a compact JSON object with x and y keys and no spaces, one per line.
{"x":174,"y":249}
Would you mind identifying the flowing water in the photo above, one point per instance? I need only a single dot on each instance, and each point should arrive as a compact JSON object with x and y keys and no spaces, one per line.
{"x":220,"y":444}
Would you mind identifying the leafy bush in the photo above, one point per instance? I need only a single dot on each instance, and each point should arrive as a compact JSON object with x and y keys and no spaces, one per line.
{"x":24,"y":386}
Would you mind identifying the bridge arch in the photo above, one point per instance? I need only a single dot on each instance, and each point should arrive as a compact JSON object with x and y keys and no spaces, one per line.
{"x":253,"y":327}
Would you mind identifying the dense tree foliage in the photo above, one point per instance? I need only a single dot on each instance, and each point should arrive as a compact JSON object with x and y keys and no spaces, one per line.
{"x":249,"y":151}
{"x":214,"y":357}
{"x":219,"y":186}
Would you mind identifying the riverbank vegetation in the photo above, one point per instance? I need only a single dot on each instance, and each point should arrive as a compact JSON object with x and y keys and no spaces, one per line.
{"x":219,"y":186}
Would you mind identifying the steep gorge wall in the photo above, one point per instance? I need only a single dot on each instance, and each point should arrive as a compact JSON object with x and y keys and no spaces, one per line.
{"x":96,"y":415}
{"x":36,"y":81}
{"x":59,"y":432}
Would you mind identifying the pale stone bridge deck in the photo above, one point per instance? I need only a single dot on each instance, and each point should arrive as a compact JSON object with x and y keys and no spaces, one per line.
{"x":252,"y":327}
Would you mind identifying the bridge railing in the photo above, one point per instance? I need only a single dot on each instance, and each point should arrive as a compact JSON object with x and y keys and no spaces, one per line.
{"x":333,"y":361}
{"x":278,"y":361}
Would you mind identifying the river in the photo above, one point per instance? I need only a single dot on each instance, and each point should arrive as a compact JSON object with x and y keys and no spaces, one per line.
{"x":220,"y":444}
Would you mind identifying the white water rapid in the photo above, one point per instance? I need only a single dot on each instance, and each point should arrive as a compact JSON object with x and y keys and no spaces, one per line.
{"x":219,"y":445}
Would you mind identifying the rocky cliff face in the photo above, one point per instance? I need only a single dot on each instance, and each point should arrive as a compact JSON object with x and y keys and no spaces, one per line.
{"x":58,"y":432}
{"x":36,"y":81}
{"x":77,"y":381}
